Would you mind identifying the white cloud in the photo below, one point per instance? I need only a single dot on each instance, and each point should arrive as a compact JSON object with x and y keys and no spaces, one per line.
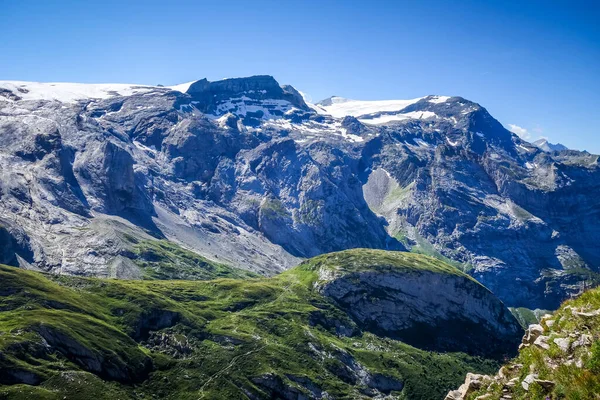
{"x":519,"y":131}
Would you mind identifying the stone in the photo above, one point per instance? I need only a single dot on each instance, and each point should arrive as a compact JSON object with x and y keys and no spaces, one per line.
{"x":512,"y":383}
{"x":563,"y":344}
{"x":545,"y":384}
{"x":583,"y":340}
{"x":454,"y":395}
{"x":473,"y":382}
{"x":584,"y":314}
{"x":532,"y":333}
{"x":372,"y":299}
{"x":529,"y":379}
{"x":550,"y":323}
{"x":542,"y":342}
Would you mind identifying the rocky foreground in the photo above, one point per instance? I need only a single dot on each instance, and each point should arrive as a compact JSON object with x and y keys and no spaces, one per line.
{"x":347,"y":325}
{"x":558,"y":359}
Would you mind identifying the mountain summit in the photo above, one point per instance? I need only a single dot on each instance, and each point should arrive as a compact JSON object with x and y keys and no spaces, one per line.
{"x":543,"y":144}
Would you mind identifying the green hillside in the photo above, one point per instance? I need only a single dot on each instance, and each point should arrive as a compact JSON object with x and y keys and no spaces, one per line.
{"x":77,"y":338}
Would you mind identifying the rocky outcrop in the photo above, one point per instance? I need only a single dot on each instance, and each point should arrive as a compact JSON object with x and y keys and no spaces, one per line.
{"x":424,"y":306}
{"x":262,"y":91}
{"x":473,"y":382}
{"x":551,"y":355}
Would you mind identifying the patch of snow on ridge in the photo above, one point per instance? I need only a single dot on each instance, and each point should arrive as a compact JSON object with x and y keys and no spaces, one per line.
{"x":385,"y":118}
{"x":421,"y":142}
{"x":182,"y":87}
{"x":71,"y":92}
{"x":525,"y":148}
{"x":341,"y":107}
{"x":451,"y":143}
{"x":438,"y":99}
{"x":351,"y":137}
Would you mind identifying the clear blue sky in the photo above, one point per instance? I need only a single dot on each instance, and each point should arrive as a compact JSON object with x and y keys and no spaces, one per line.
{"x":534,"y":64}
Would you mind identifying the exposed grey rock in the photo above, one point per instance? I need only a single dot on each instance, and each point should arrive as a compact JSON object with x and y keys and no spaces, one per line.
{"x":532,"y":333}
{"x":542,"y":342}
{"x":473,"y":382}
{"x":583,"y":340}
{"x":529,"y":379}
{"x":402,"y":305}
{"x":562,"y":343}
{"x":586,"y":314}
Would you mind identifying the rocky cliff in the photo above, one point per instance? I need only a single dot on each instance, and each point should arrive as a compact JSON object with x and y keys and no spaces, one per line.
{"x":244,"y":172}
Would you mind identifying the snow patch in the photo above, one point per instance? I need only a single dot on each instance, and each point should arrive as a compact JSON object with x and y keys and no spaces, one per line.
{"x":182,"y":87}
{"x":524,"y":148}
{"x":383,"y":119}
{"x":351,"y":137}
{"x":341,"y":107}
{"x":438,"y":99}
{"x":451,"y":143}
{"x":421,"y":142}
{"x":72,"y":92}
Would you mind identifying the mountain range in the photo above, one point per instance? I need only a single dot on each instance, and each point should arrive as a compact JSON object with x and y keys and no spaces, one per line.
{"x":245,"y":175}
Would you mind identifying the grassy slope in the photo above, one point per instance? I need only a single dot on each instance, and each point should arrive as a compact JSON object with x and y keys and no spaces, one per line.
{"x":572,"y":382}
{"x":164,"y":260}
{"x":231,"y":331}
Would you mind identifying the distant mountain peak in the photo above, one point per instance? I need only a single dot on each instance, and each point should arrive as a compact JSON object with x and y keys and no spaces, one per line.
{"x":545,"y":145}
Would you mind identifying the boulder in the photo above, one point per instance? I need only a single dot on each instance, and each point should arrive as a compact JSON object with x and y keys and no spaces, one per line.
{"x":584,"y":314}
{"x":473,"y":382}
{"x":532,"y":333}
{"x":542,"y":342}
{"x":562,"y":343}
{"x":529,"y":379}
{"x":583,"y":340}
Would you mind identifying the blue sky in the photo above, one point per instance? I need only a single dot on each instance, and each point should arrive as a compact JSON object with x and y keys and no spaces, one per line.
{"x":532,"y":64}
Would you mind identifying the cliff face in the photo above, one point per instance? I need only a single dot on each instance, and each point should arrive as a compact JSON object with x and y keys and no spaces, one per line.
{"x":245,"y":172}
{"x":433,"y":309}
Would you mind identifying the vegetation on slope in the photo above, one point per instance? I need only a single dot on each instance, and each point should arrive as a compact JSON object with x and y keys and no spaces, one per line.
{"x":164,"y":260}
{"x":560,"y":358}
{"x":80,"y":338}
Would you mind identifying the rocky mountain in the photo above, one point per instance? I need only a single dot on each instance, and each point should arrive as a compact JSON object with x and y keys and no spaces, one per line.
{"x":245,"y":173}
{"x":317,"y":331}
{"x":558,"y":359}
{"x":543,"y":144}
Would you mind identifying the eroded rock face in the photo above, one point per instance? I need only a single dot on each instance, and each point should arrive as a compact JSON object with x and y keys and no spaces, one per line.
{"x":442,"y":312}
